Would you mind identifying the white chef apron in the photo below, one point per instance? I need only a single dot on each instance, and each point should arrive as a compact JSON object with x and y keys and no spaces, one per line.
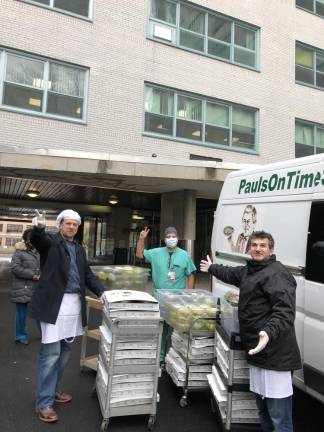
{"x":68,"y":323}
{"x":270,"y":383}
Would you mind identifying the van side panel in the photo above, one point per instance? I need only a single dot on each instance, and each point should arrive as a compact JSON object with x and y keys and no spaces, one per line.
{"x":287,"y":200}
{"x":287,"y":221}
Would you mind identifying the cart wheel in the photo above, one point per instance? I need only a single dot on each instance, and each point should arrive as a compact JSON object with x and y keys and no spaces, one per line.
{"x":183,"y":402}
{"x":151,"y":422}
{"x":93,"y":392}
{"x":104,"y":425}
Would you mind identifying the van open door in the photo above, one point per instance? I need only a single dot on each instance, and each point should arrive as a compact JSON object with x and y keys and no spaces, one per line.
{"x":314,"y":303}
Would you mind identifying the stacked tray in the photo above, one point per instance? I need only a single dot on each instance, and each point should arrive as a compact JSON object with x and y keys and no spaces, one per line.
{"x":244,"y":409}
{"x":193,"y":357}
{"x":129,"y":349}
{"x":231,"y":390}
{"x":241,"y":367}
{"x":177,"y":368}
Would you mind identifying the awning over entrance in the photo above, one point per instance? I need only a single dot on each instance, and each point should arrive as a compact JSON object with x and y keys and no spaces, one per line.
{"x":118,"y":172}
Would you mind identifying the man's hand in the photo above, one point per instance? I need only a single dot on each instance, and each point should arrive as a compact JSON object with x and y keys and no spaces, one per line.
{"x":35,"y":277}
{"x":263,"y":341}
{"x":39,"y":219}
{"x":144,"y":233}
{"x":140,"y":242}
{"x":204,"y":265}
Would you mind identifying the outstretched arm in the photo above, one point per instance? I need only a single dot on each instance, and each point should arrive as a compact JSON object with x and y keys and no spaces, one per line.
{"x":38,"y":237}
{"x":227,"y":274}
{"x":141,"y":241}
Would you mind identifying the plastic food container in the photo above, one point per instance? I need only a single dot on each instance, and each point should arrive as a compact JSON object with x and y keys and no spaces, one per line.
{"x":229,"y":317}
{"x":122,"y":277}
{"x":180,"y":307}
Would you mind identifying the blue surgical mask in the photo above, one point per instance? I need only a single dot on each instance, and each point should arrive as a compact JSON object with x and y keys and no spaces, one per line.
{"x":171,"y":242}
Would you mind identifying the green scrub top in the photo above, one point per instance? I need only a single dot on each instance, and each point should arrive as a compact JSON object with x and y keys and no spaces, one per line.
{"x":162,"y":263}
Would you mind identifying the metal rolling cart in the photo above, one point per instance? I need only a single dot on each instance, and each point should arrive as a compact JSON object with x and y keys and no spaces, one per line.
{"x":233,"y":383}
{"x":108,"y":365}
{"x":191,"y":334}
{"x":89,"y":362}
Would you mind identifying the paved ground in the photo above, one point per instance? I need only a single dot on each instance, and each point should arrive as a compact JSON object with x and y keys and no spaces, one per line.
{"x":17,"y":383}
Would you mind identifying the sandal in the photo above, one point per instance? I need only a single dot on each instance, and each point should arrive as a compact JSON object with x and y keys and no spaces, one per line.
{"x":47,"y":414}
{"x":61,"y":397}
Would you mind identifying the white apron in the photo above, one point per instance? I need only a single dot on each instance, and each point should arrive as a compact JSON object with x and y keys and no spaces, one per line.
{"x":68,"y":323}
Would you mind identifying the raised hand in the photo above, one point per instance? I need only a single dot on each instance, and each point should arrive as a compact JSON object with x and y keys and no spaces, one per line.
{"x":263,"y":341}
{"x":39,"y":219}
{"x":144,"y":233}
{"x":204,"y":265}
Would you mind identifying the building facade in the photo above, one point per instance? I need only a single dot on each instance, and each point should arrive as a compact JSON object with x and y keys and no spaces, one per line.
{"x":160,"y":82}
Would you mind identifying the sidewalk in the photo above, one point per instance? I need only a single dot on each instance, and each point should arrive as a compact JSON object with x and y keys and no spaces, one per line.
{"x":18,"y":365}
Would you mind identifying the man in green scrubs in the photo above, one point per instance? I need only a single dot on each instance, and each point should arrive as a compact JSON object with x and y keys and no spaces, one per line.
{"x":172,"y":268}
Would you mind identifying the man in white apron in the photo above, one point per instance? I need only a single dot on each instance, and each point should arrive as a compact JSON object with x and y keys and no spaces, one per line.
{"x":59,"y":304}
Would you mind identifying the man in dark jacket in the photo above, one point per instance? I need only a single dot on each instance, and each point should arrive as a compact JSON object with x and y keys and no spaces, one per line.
{"x":267,"y":307}
{"x":25,"y":273}
{"x":59,"y":304}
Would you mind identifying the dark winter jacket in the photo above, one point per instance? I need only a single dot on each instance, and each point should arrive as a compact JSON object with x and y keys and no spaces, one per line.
{"x":267,"y":302}
{"x":55,"y":266}
{"x":24,"y":265}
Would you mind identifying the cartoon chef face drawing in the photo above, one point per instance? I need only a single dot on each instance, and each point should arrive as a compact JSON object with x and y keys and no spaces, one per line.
{"x":249,"y":219}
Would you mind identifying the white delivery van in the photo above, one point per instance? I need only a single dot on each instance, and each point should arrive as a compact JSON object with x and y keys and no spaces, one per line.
{"x":287,"y":200}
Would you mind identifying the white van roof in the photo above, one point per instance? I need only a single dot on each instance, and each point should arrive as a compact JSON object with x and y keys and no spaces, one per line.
{"x":292,"y":177}
{"x":307,"y":160}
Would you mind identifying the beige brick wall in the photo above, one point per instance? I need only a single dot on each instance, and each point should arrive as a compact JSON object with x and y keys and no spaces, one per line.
{"x":120,"y":58}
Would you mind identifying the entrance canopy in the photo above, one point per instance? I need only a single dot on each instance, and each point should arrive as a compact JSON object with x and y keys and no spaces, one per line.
{"x":58,"y":176}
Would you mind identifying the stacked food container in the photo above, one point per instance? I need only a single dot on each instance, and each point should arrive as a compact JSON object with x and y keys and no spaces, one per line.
{"x":192,"y":315}
{"x":229,"y":380}
{"x":129,"y":354}
{"x":115,"y":277}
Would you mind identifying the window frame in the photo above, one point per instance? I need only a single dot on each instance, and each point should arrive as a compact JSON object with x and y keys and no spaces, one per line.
{"x":47,"y":62}
{"x":11,"y":241}
{"x":314,"y":127}
{"x":13,"y":228}
{"x":315,"y":51}
{"x":63,"y":11}
{"x":202,"y":141}
{"x":313,"y":12}
{"x":176,"y":28}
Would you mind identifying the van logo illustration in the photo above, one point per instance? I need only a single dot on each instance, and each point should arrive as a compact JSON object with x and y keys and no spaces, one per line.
{"x":240,"y":243}
{"x":290,"y":181}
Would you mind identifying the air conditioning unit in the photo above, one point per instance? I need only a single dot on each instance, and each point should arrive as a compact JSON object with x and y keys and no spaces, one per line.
{"x":162,"y":32}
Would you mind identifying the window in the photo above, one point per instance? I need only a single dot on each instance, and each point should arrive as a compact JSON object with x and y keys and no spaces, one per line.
{"x":44,"y":87}
{"x":82,"y":8}
{"x":10,"y":242}
{"x":309,"y":66}
{"x":309,"y":138}
{"x":1,"y":227}
{"x":315,"y":6}
{"x":158,"y":111}
{"x":198,"y":119}
{"x":194,"y":28}
{"x":14,"y":228}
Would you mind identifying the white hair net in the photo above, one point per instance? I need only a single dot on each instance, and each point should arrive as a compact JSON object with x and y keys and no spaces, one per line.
{"x":67,"y":214}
